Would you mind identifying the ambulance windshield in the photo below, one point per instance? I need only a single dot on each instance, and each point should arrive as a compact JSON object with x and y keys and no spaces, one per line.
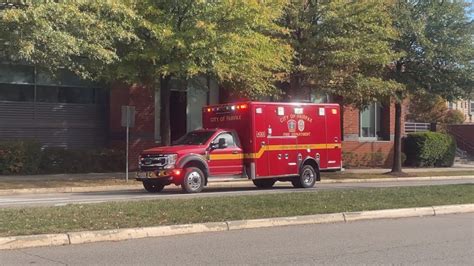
{"x":194,"y":138}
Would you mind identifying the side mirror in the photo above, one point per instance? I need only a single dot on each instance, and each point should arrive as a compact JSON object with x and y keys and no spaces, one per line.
{"x":222,"y":143}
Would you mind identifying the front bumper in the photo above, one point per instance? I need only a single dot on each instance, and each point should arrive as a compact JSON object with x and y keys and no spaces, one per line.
{"x":169,"y":175}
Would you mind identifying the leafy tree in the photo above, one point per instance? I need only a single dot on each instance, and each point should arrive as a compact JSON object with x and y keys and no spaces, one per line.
{"x":82,"y":36}
{"x":342,"y":48}
{"x":426,"y":108}
{"x":437,"y":47}
{"x":232,"y":41}
{"x":454,"y":117}
{"x":153,"y":41}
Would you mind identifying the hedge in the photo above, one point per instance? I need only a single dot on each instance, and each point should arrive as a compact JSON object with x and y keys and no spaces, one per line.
{"x":428,"y":149}
{"x":19,"y":157}
{"x":27,"y":157}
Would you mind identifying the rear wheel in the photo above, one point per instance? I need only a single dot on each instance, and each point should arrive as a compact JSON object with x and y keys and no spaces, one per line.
{"x":193,"y":181}
{"x":306,"y":179}
{"x":264,"y":183}
{"x":153,"y":186}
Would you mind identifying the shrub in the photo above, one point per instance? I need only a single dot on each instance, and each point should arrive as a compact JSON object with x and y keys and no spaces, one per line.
{"x":58,"y":160}
{"x":454,"y":117}
{"x":26,"y":157}
{"x":19,"y":157}
{"x":429,"y":149}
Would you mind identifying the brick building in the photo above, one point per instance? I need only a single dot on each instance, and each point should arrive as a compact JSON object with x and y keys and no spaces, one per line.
{"x":74,"y":114}
{"x":367,"y":135}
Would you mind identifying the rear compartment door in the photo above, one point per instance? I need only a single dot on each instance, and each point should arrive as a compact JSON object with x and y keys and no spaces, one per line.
{"x":282,"y":158}
{"x":333,"y":137}
{"x":259,"y":155}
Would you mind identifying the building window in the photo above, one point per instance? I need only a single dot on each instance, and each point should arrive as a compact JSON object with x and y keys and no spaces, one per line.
{"x":471,"y":111}
{"x":20,"y":83}
{"x":370,"y":122}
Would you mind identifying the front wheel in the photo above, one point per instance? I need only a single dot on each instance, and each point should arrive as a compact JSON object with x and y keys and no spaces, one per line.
{"x":306,"y":179}
{"x":193,"y":181}
{"x":263,"y":183}
{"x":153,"y":186}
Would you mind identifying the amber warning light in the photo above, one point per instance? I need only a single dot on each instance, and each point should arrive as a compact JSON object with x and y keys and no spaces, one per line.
{"x":227,"y":108}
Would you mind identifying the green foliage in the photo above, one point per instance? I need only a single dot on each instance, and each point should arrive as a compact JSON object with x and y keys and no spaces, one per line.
{"x":19,"y":157}
{"x":26,"y":157}
{"x":233,"y":41}
{"x":82,"y":36}
{"x":427,"y":108}
{"x":342,"y":48}
{"x":428,"y":149}
{"x":126,"y":214}
{"x":437,"y":43}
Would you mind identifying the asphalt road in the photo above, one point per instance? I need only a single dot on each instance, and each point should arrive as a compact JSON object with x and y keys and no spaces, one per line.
{"x":59,"y":199}
{"x":438,"y":240}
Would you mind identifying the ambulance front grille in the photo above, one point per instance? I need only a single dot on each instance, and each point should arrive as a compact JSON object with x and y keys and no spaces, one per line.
{"x":151,"y":161}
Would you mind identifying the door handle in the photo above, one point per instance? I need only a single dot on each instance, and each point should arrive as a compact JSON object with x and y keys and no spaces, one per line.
{"x":235,"y":152}
{"x":336,"y":139}
{"x":263,"y":143}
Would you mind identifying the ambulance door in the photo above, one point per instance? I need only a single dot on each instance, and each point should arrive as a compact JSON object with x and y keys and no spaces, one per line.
{"x":282,"y":158}
{"x":227,"y":160}
{"x":259,"y":155}
{"x":333,"y":137}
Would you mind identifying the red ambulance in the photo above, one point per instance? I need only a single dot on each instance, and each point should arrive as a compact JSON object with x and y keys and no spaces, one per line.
{"x":261,"y":141}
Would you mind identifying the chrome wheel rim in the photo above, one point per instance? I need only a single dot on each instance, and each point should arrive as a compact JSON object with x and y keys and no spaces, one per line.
{"x":194,"y":180}
{"x":308,"y":176}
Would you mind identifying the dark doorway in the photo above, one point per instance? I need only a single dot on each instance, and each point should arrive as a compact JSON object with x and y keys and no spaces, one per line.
{"x":178,"y":105}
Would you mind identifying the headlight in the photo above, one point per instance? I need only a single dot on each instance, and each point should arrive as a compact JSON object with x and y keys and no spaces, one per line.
{"x":171,"y":160}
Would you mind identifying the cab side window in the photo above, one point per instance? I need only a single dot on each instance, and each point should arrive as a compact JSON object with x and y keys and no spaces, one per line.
{"x":229,"y":139}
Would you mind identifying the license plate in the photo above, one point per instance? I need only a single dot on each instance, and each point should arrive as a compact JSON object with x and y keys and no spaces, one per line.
{"x":151,"y":175}
{"x":155,"y":174}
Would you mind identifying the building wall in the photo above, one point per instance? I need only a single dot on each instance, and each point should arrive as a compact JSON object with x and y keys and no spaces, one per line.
{"x":145,"y":133}
{"x":358,"y":152}
{"x":142,"y":135}
{"x":63,"y":111}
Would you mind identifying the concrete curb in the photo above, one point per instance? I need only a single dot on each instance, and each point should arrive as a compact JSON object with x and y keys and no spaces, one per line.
{"x":230,"y":184}
{"x":16,"y":242}
{"x":389,"y":214}
{"x":134,"y":233}
{"x":283,"y":221}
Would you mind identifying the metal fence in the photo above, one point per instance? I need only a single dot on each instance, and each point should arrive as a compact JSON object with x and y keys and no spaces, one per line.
{"x":411,"y":127}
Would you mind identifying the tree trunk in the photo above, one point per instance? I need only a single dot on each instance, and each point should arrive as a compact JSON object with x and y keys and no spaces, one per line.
{"x":165,"y":93}
{"x":397,"y":149}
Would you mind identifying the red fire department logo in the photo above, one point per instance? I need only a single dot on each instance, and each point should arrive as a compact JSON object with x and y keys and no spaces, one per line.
{"x":291,"y":125}
{"x":300,"y":125}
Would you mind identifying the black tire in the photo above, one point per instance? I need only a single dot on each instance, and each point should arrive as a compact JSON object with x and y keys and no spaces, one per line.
{"x":153,"y":186}
{"x":193,"y":181}
{"x":264,"y":183}
{"x":307,"y":177}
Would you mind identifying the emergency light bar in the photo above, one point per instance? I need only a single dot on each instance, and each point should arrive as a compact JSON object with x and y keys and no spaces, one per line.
{"x":226,"y":108}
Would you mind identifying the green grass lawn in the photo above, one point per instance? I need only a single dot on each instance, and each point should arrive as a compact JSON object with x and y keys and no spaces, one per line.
{"x":22,"y":221}
{"x":347,"y":175}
